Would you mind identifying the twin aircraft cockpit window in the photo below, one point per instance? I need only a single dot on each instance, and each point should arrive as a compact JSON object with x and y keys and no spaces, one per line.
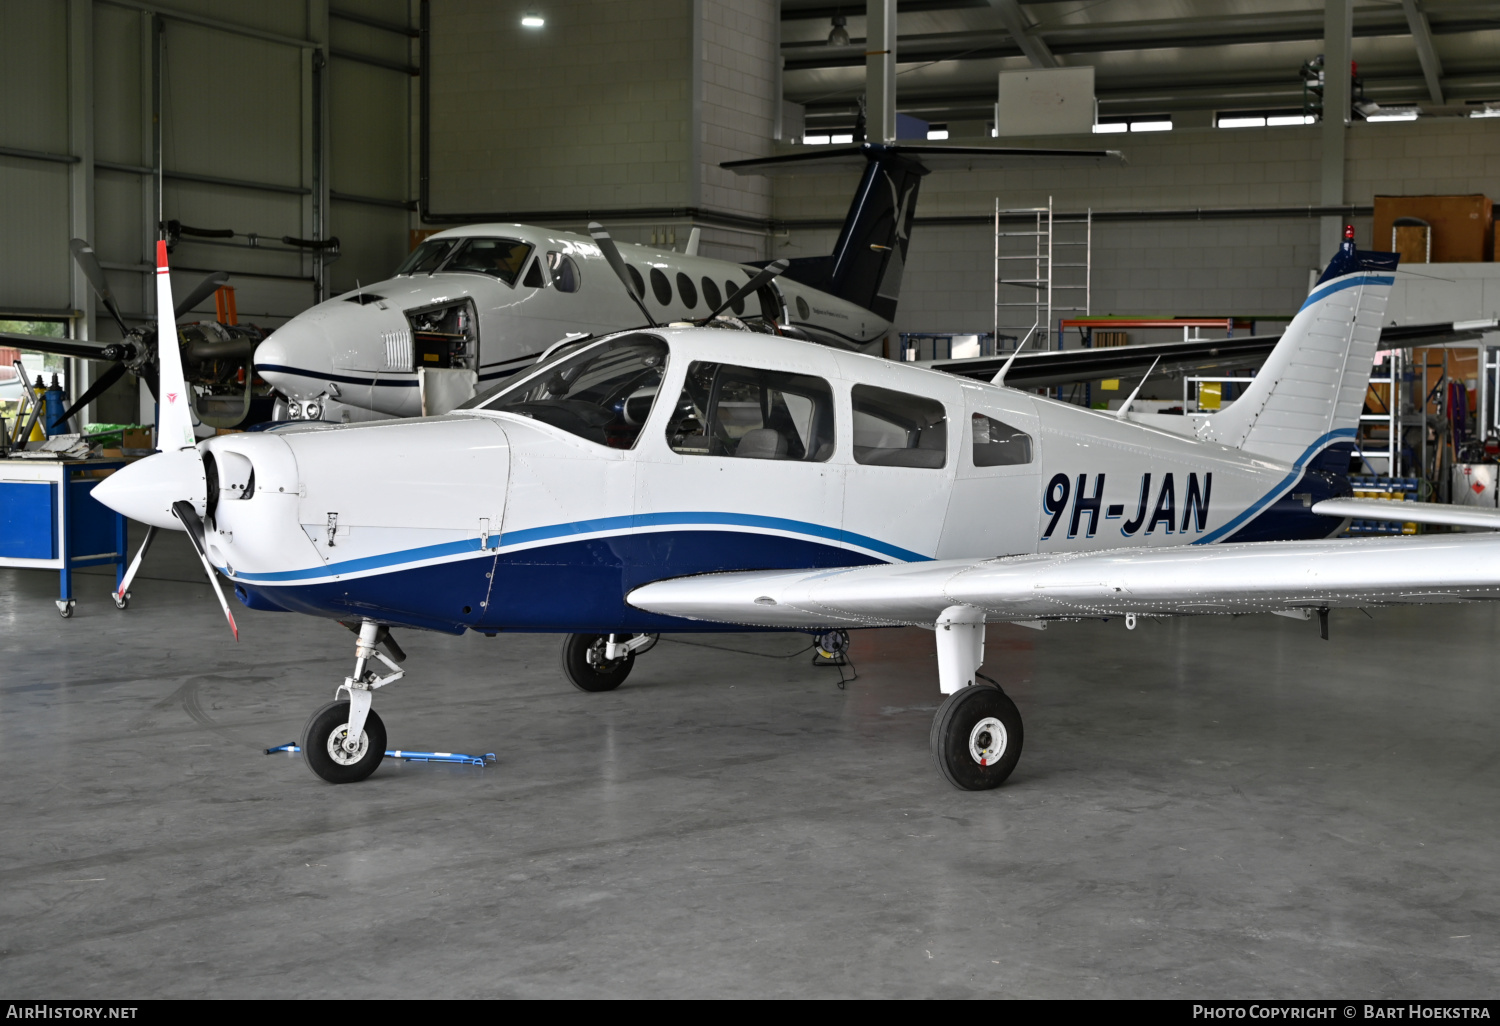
{"x":499,"y":258}
{"x":561,"y":273}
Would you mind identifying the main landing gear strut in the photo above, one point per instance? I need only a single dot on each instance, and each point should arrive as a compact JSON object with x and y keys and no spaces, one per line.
{"x":345,"y":739}
{"x":601,"y":662}
{"x":976,"y":734}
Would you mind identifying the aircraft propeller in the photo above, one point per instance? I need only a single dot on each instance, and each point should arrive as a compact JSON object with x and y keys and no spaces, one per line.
{"x":771,"y":270}
{"x":617,"y":264}
{"x":137,"y":351}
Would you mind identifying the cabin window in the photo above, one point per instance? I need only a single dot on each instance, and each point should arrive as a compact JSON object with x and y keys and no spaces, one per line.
{"x":533,"y":277}
{"x":894,"y":429}
{"x":661,"y":287}
{"x":711,"y":294}
{"x":427,"y":257}
{"x":738,"y":306}
{"x":636,"y":282}
{"x":499,"y":258}
{"x":603,"y":393}
{"x":687,"y":291}
{"x":748,"y":413}
{"x":997,"y":444}
{"x":564,"y":272}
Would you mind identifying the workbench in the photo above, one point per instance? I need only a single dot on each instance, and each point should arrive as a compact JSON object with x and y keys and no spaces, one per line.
{"x":49,"y":520}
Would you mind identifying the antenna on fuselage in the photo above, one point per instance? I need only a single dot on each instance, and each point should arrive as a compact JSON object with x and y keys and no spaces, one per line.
{"x":999,"y":378}
{"x":771,"y":270}
{"x":617,"y":264}
{"x":1125,"y":406}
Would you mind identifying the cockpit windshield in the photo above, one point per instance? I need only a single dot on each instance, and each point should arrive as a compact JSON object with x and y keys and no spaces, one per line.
{"x":604,"y":393}
{"x":426,"y":257}
{"x":501,"y":258}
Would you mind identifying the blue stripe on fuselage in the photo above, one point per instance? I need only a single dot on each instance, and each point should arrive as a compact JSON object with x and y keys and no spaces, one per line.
{"x":633,"y":523}
{"x":1298,"y":470}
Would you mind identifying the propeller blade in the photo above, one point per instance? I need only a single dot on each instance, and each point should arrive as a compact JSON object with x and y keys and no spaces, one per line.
{"x":184,"y":511}
{"x":149,"y":377}
{"x":51,"y":344}
{"x":98,"y":388}
{"x":750,"y":287}
{"x":174,"y":418}
{"x":617,"y":264}
{"x":88,"y":261}
{"x":207,"y":287}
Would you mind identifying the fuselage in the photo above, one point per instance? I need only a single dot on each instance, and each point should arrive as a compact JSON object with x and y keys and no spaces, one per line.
{"x":537,"y":514}
{"x":521,"y":289}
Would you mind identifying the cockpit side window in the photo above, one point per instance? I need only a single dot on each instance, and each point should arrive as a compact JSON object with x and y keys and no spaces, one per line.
{"x":564,"y":272}
{"x":499,"y":258}
{"x":426,"y":257}
{"x":603,"y":394}
{"x":533,"y":278}
{"x":997,"y":444}
{"x":895,"y":429}
{"x":752,"y":414}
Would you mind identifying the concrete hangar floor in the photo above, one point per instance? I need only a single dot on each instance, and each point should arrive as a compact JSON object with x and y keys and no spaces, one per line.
{"x":1206,"y":808}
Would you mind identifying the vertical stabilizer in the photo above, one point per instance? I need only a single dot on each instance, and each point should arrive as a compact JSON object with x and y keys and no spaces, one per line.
{"x":174,"y":418}
{"x":1309,"y":394}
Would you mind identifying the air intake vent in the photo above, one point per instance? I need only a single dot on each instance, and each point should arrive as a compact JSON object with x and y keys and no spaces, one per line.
{"x":397,"y":350}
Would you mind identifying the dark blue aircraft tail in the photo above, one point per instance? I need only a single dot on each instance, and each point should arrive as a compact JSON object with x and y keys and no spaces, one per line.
{"x":869,"y":259}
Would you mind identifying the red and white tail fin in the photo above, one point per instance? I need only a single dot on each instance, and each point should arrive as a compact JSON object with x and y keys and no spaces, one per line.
{"x":174,"y":417}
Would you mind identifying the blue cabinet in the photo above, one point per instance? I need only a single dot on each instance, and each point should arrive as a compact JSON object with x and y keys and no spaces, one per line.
{"x":50,"y":520}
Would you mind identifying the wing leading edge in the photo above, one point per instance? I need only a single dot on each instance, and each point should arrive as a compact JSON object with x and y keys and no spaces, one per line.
{"x":1246,"y":578}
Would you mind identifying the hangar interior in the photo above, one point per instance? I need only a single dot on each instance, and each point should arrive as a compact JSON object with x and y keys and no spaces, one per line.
{"x":1210,"y":806}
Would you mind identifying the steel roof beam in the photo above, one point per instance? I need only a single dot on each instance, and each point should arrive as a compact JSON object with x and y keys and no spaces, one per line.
{"x":1023,"y":32}
{"x":1421,"y":35}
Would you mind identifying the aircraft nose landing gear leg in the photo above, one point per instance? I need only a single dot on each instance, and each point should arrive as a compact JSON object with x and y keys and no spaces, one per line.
{"x":976,"y":734}
{"x":344,"y":741}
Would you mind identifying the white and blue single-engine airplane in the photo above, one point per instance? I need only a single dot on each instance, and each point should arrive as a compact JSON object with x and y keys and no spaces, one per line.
{"x":479,"y":303}
{"x":692,"y":479}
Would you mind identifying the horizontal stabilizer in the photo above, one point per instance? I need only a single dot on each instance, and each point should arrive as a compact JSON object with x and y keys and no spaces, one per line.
{"x":1259,"y":577}
{"x":1410,"y":512}
{"x":1042,"y":368}
{"x":839,"y":159}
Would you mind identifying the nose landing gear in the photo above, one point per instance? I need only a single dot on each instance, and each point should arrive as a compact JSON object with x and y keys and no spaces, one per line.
{"x":344,"y":741}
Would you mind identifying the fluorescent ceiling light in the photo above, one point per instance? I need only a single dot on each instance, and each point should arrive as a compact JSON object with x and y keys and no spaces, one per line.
{"x":1151,"y":126}
{"x":937,"y":133}
{"x":1111,"y":127}
{"x":1242,"y":122}
{"x":847,"y":138}
{"x":1408,"y":116}
{"x":531,"y":19}
{"x":1291,"y":119}
{"x":1487,"y":112}
{"x":814,"y":140}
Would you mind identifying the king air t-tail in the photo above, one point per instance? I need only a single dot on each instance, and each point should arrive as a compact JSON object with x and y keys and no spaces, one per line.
{"x":476,"y":304}
{"x":687,"y":479}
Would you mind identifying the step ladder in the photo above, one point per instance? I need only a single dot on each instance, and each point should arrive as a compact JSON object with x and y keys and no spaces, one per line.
{"x":1042,"y":267}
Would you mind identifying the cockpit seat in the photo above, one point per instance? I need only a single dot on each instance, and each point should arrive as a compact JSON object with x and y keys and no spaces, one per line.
{"x":762,"y":444}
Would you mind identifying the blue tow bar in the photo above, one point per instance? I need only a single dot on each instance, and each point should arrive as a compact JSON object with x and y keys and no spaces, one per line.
{"x":468,"y":760}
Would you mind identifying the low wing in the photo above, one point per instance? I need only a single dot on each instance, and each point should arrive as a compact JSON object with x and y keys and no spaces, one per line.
{"x":1063,"y":366}
{"x":1410,"y":512}
{"x":1246,"y":578}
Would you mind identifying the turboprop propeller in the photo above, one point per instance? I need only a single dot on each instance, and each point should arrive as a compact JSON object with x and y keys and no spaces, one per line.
{"x":220,"y":354}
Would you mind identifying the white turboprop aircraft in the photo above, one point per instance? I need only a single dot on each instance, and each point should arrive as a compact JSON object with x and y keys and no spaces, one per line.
{"x":688,"y":479}
{"x":479,"y":303}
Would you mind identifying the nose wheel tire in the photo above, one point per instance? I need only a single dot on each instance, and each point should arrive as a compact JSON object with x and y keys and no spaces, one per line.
{"x":323,"y":745}
{"x":586,"y":668}
{"x":976,"y":737}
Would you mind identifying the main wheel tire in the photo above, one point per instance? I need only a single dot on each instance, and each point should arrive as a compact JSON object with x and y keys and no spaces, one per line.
{"x":586,"y":668}
{"x":976,"y":737}
{"x":322,"y":741}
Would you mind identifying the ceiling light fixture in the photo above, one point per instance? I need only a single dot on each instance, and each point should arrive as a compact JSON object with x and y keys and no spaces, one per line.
{"x":531,"y":19}
{"x":839,"y":36}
